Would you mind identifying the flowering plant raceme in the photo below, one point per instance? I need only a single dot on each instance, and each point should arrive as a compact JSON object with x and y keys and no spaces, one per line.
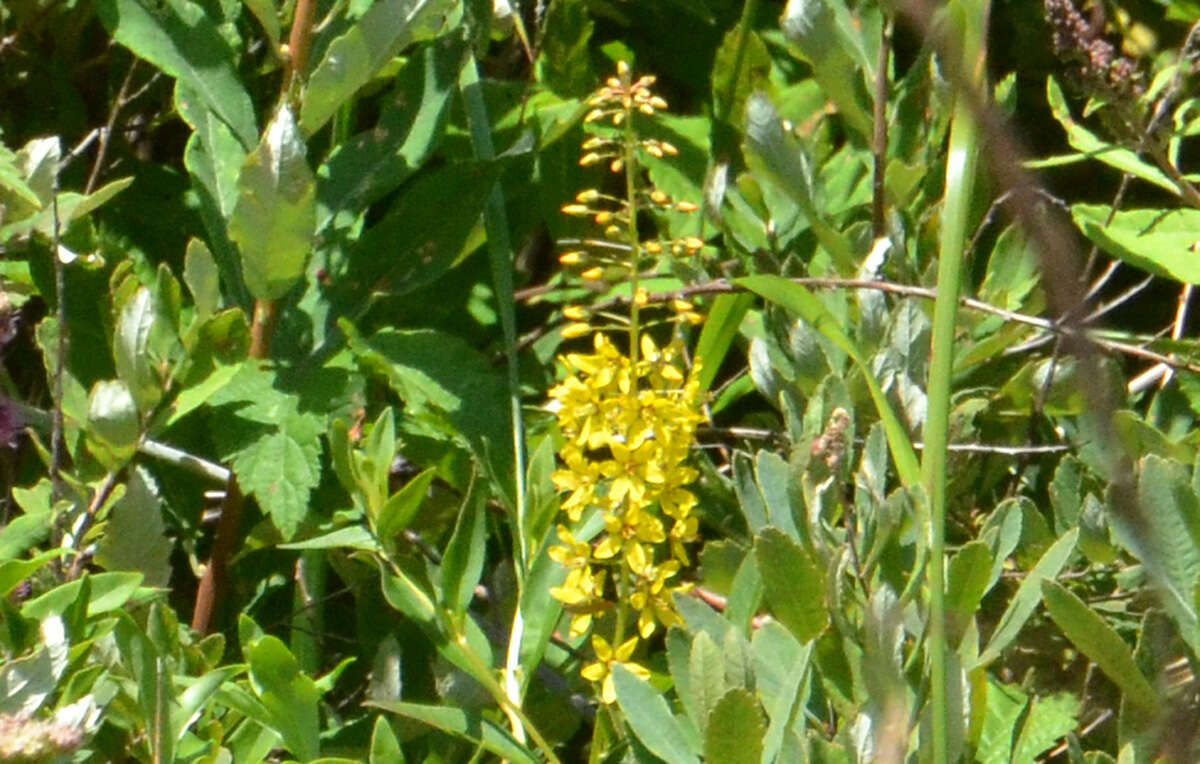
{"x":628,"y":415}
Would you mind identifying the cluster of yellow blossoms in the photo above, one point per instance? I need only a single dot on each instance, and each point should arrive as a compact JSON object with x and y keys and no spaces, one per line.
{"x":628,"y":419}
{"x":628,"y":426}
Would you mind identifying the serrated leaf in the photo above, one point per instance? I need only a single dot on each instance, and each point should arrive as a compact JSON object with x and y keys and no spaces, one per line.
{"x":1093,"y":637}
{"x":281,"y":468}
{"x":647,"y":713}
{"x":793,"y":583}
{"x":1048,"y":720}
{"x":1004,"y":707}
{"x":179,"y":38}
{"x":353,"y":58}
{"x":276,"y":214}
{"x":289,"y":695}
{"x":135,"y":535}
{"x":735,"y":730}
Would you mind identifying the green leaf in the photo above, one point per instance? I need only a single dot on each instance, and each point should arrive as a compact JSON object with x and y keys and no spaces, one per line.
{"x":1101,"y":644}
{"x":1161,"y":241}
{"x":1004,"y":707}
{"x":267,"y":15}
{"x":276,"y":214}
{"x":24,"y":532}
{"x":200,"y":273}
{"x":735,"y":730}
{"x":647,"y":713}
{"x":1025,"y":601}
{"x":1166,"y":537}
{"x":824,"y":36}
{"x":353,"y":58}
{"x":793,"y":583}
{"x":771,"y":154}
{"x":108,"y":591}
{"x":444,"y":380}
{"x":14,"y":572}
{"x":1048,"y":720}
{"x":134,"y":537}
{"x":800,"y":301}
{"x":706,"y":676}
{"x":179,"y":38}
{"x":281,"y":468}
{"x":289,"y":696}
{"x":411,"y":122}
{"x":131,"y":344}
{"x":1086,"y":142}
{"x":462,"y":563}
{"x":406,"y":256}
{"x":198,"y":394}
{"x":400,"y":510}
{"x":721,"y":327}
{"x":967,"y":580}
{"x":774,"y":480}
{"x":404,"y":594}
{"x":467,"y":725}
{"x":350,"y":537}
{"x":385,"y":748}
{"x":114,"y":427}
{"x":12,"y":179}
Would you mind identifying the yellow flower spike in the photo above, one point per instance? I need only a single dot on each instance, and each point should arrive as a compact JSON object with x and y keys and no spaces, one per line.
{"x":693,"y":243}
{"x":577,"y":329}
{"x":682,"y":306}
{"x":571,"y":258}
{"x":587,"y":195}
{"x":653,"y":247}
{"x":658,"y":196}
{"x":600,"y":672}
{"x":575,"y":312}
{"x":593,"y":274}
{"x":694,"y":318}
{"x":686,"y":206}
{"x":576,"y":210}
{"x":646,"y":109}
{"x":642,"y":297}
{"x":614,"y":232}
{"x":658,"y":103}
{"x":594,"y":115}
{"x":653,"y":149}
{"x":668,"y":148}
{"x":589,"y":159}
{"x":617,"y":165}
{"x":603,"y":218}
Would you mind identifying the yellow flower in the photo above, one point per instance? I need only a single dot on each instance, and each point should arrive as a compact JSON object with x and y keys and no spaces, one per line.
{"x":626,"y":533}
{"x":606,"y":657}
{"x":652,"y":599}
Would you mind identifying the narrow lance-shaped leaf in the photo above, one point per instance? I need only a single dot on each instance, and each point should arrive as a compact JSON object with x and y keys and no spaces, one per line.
{"x":1101,"y":644}
{"x":275,"y":216}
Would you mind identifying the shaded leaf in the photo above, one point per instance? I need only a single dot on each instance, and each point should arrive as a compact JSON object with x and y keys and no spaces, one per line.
{"x":469,"y":725}
{"x":793,"y":583}
{"x":1161,"y":241}
{"x":289,"y":696}
{"x":275,"y":216}
{"x":735,"y":730}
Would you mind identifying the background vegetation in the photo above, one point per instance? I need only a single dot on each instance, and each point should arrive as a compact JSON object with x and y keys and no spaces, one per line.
{"x":411,"y":380}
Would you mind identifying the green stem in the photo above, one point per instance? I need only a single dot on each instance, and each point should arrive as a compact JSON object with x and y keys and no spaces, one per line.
{"x":960,"y":179}
{"x":635,"y":245}
{"x":500,"y":256}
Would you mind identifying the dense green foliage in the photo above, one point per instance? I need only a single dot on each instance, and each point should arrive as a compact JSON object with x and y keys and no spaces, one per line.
{"x":802,"y":419}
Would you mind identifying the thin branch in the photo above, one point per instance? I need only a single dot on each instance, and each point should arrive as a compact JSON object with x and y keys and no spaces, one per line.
{"x":60,"y":351}
{"x":879,"y":136}
{"x":106,"y":134}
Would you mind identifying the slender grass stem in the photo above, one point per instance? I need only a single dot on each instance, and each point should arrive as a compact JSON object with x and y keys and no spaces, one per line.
{"x":500,"y":256}
{"x":960,"y":180}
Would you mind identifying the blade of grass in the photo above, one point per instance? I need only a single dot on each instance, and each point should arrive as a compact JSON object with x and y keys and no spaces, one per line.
{"x":500,"y":255}
{"x":969,"y":18}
